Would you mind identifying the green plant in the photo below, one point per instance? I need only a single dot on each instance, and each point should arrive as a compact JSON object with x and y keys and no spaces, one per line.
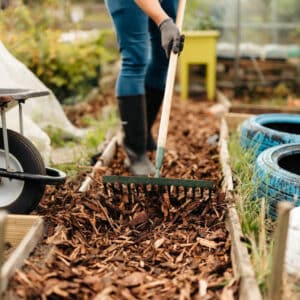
{"x":200,"y":15}
{"x":60,"y":138}
{"x":71,"y":169}
{"x":88,"y":144}
{"x":68,"y":69}
{"x":99,"y":130}
{"x":256,"y":227}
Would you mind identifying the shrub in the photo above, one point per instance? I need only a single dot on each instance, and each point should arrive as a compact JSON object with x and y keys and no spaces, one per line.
{"x":68,"y":69}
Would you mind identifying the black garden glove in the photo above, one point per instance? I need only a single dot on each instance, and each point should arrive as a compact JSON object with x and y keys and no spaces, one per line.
{"x":171,"y":40}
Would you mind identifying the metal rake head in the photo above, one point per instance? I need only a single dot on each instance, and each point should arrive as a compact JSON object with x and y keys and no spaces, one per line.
{"x":179,"y":188}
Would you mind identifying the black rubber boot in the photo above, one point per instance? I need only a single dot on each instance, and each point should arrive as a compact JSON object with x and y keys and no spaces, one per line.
{"x":154,"y":98}
{"x":134,"y":121}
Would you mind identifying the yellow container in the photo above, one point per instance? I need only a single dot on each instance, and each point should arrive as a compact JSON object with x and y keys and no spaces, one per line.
{"x":199,"y":48}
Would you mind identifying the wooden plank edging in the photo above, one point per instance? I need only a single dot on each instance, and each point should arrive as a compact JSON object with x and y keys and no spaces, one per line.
{"x":239,"y":254}
{"x":3,"y":217}
{"x":22,"y":251}
{"x":243,"y":269}
{"x":104,"y":160}
{"x":224,"y":157}
{"x":235,"y":120}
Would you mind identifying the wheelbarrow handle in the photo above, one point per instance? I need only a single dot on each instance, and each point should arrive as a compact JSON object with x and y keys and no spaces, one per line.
{"x":52,"y":177}
{"x":7,"y":95}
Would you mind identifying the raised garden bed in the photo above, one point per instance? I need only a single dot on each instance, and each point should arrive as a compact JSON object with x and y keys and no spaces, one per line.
{"x":262,"y":108}
{"x":147,"y":248}
{"x":260,"y":233}
{"x":21,"y":235}
{"x":265,"y":102}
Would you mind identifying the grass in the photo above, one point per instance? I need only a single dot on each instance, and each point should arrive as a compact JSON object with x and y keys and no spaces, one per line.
{"x":71,"y":169}
{"x":257,"y":229}
{"x":60,"y":138}
{"x":98,"y":131}
{"x":96,"y":134}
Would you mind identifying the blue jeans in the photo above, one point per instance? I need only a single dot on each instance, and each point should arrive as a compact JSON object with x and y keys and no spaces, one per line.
{"x":144,"y":61}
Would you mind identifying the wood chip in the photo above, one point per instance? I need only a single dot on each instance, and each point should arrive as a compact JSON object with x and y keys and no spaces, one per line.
{"x":143,"y":247}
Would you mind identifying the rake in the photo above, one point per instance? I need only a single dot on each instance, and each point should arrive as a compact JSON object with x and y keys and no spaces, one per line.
{"x":137,"y":184}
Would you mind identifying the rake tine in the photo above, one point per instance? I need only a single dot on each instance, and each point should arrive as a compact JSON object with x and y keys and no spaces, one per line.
{"x":161,"y":190}
{"x":179,"y":187}
{"x":133,"y":191}
{"x":169,"y":191}
{"x":154,"y":188}
{"x":157,"y":188}
{"x":121,"y":189}
{"x":185,"y":192}
{"x":129,"y":190}
{"x":105,"y":188}
{"x":144,"y":187}
{"x":136,"y":189}
{"x":177,"y":191}
{"x":115,"y":191}
{"x":193,"y":193}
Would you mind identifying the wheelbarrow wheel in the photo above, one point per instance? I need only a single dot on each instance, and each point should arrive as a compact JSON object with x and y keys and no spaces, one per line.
{"x":18,"y":196}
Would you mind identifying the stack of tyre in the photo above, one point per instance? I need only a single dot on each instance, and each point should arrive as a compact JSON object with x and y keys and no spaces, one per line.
{"x":275,"y":141}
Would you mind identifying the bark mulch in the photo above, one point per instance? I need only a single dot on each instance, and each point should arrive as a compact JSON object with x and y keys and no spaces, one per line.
{"x":149,"y":247}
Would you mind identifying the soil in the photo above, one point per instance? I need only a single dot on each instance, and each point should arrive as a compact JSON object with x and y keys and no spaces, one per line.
{"x":152,"y":246}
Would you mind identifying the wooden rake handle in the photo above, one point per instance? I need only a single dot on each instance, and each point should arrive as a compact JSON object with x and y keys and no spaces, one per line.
{"x":167,"y":101}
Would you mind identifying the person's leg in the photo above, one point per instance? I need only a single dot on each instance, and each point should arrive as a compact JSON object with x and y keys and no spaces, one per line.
{"x":157,"y":71}
{"x":131,"y":26}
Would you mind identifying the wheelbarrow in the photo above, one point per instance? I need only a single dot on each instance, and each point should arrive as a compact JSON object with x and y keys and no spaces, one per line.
{"x":23,"y":175}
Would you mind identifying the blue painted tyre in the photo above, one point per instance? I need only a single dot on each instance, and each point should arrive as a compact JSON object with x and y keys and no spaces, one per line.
{"x":267,"y":130}
{"x":277,"y":175}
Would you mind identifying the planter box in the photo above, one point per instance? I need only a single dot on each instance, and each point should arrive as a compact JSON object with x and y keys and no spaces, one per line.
{"x":199,"y":49}
{"x":234,"y":120}
{"x":22,"y":232}
{"x":262,"y":109}
{"x":241,"y":262}
{"x":243,"y":269}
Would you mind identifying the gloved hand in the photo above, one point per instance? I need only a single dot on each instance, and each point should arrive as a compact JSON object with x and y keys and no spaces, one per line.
{"x":171,"y":40}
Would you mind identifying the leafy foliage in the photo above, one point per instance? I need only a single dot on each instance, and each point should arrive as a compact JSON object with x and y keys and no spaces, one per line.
{"x":69,"y":69}
{"x":199,"y":15}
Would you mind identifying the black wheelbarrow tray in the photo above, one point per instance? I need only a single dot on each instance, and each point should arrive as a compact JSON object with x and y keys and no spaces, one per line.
{"x":23,"y":175}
